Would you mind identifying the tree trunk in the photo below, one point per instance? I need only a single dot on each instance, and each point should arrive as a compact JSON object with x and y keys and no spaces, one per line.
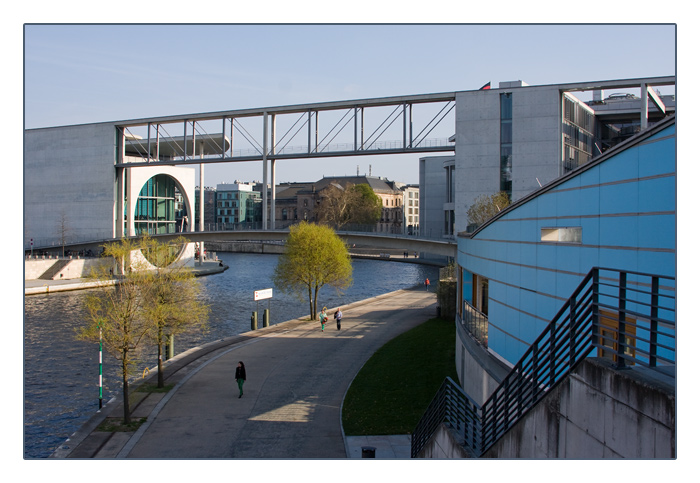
{"x":315,"y":300}
{"x":161,"y":382}
{"x":125,"y":385}
{"x":312,"y":306}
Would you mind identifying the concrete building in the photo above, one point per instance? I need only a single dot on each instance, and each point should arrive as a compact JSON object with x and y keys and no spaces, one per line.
{"x":411,"y":209}
{"x":518,"y":271}
{"x":437,"y":201}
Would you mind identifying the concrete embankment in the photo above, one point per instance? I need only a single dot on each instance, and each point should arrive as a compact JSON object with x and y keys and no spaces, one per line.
{"x":65,"y":283}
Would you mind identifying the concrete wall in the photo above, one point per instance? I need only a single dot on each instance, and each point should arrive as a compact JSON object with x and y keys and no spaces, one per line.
{"x":536,"y":143}
{"x":69,"y":174}
{"x":442,"y":445}
{"x":479,"y":371}
{"x":432,"y":181}
{"x":597,"y":413}
{"x":77,"y":268}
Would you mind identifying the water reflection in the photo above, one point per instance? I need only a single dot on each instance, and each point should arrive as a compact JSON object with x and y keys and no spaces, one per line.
{"x":61,"y":373}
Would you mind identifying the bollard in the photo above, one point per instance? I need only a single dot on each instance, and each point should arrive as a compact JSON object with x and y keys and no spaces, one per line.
{"x":254,"y":321}
{"x":368,"y":451}
{"x":266,"y":318}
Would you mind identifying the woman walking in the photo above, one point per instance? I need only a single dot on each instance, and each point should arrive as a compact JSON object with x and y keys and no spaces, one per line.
{"x":240,"y":377}
{"x":323,"y":317}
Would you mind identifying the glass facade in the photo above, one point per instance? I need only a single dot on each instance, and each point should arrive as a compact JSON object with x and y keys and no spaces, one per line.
{"x":578,"y":128}
{"x":507,"y":143}
{"x":159,"y":208}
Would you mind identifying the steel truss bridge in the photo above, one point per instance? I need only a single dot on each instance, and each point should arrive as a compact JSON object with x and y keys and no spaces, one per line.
{"x":381,"y":126}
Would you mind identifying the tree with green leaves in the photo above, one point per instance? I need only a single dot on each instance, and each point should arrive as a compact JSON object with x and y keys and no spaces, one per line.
{"x":153,"y":297}
{"x":114,"y":312}
{"x":486,"y":207}
{"x":343,"y":204}
{"x":314,"y":256}
{"x":171,"y":304}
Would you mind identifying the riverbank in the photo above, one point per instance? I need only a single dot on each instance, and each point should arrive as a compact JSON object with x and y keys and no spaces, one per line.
{"x":296,"y":373}
{"x":40,"y":286}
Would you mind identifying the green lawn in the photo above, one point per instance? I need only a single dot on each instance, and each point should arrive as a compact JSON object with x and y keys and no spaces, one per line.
{"x":395,"y":386}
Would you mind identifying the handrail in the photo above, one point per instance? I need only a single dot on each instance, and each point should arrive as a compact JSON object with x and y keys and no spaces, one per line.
{"x":628,"y":317}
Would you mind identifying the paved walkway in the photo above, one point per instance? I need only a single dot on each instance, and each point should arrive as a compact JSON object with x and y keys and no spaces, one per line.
{"x":291,"y":407}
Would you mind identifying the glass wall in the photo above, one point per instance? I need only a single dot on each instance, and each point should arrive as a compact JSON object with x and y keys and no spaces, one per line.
{"x":159,"y":208}
{"x":507,"y":143}
{"x":578,"y":128}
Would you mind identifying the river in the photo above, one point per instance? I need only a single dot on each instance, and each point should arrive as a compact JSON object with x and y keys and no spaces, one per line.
{"x":61,"y":373}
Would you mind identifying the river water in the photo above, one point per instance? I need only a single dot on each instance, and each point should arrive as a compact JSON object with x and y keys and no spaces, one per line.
{"x":61,"y":373}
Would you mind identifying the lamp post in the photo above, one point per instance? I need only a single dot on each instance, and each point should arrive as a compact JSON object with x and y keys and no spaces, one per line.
{"x":100,"y":365}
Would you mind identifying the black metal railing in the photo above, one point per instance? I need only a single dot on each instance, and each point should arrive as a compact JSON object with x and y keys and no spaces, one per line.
{"x":628,"y":317}
{"x":452,"y":406}
{"x":476,"y":323}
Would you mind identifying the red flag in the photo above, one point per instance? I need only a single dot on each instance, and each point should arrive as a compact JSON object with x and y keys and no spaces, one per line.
{"x":486,"y":86}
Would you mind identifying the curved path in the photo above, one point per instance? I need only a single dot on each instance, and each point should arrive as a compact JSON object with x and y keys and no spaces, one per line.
{"x":291,"y":407}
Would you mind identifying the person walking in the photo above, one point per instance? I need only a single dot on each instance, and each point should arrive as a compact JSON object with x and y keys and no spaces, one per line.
{"x":240,"y":377}
{"x":323,"y":317}
{"x":337,"y":316}
{"x":427,"y":284}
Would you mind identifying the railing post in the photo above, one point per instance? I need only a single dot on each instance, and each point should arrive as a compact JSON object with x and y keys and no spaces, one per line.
{"x":622,"y":316}
{"x":595,"y":325}
{"x":572,"y":330}
{"x":654,"y":320}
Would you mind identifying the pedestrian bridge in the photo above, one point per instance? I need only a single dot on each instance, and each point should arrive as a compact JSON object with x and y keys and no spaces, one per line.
{"x":447,"y":248}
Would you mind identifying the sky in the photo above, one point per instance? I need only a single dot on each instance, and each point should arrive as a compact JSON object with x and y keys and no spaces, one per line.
{"x":76,"y":74}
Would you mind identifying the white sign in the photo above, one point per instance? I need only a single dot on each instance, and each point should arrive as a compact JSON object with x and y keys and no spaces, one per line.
{"x":263,"y":294}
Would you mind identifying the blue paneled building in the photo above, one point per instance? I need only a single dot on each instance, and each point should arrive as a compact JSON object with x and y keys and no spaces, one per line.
{"x":518,"y":269}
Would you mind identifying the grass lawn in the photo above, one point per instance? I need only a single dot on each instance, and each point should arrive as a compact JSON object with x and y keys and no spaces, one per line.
{"x":395,"y":386}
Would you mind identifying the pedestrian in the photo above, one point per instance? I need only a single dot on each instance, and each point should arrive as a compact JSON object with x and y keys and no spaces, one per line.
{"x":337,"y":316}
{"x":427,"y":284}
{"x":240,"y":377}
{"x":323,"y":317}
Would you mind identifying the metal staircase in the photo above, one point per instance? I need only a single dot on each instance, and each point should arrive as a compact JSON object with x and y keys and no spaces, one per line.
{"x":628,"y":317}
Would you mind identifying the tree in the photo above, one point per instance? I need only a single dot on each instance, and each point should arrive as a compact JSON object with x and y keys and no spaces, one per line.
{"x":114,"y":312}
{"x":153,"y":298}
{"x":63,"y":230}
{"x":349,"y":204}
{"x":314,"y":256}
{"x":171,"y":304}
{"x":369,"y":209}
{"x":486,"y":207}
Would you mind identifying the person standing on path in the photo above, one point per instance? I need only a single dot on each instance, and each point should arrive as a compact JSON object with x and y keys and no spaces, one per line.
{"x":323,"y":317}
{"x":240,"y":377}
{"x":337,"y":316}
{"x":427,"y":284}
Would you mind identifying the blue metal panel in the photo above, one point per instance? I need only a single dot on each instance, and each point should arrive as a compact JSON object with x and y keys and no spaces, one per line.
{"x":657,"y":194}
{"x":621,"y":167}
{"x":619,"y":198}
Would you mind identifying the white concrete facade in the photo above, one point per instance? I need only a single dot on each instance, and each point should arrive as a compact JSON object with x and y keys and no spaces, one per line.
{"x":71,"y":186}
{"x":536,"y":143}
{"x":69,"y":177}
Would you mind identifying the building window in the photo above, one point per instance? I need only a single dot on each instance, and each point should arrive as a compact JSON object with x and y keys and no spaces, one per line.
{"x":507,"y":143}
{"x":157,"y":208}
{"x":561,"y":235}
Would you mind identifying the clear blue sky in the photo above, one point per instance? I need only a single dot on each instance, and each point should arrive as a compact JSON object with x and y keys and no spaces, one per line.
{"x":77,"y":74}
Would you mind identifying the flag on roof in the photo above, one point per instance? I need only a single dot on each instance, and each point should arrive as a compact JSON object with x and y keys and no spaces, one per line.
{"x":485,"y":86}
